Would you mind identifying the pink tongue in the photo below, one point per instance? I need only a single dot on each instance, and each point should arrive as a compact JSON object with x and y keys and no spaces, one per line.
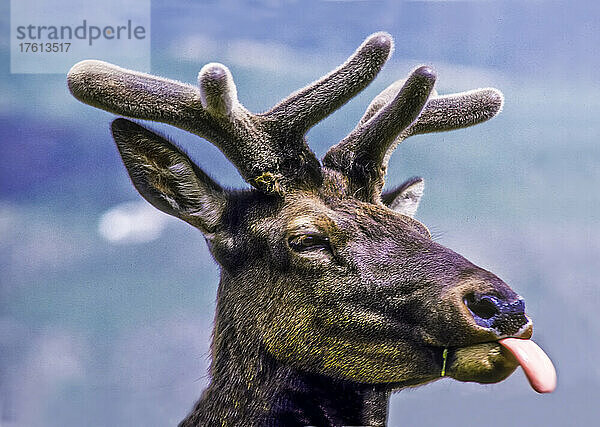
{"x":535,"y":363}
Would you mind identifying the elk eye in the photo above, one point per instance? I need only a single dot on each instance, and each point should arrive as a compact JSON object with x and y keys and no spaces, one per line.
{"x":307,"y":242}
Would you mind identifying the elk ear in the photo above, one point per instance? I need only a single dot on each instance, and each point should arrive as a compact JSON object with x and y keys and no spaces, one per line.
{"x":405,"y":198}
{"x":167,"y":178}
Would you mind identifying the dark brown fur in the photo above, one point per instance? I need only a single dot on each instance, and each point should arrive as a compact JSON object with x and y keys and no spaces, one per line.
{"x":331,"y":294}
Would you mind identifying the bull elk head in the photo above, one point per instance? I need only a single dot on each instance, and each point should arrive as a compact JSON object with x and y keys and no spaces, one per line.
{"x":331,"y":295}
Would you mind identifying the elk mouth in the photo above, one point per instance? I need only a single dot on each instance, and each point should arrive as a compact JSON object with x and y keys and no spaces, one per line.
{"x":494,"y":361}
{"x":486,"y":362}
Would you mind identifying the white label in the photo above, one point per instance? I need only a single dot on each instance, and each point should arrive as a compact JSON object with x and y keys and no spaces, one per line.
{"x":50,"y":36}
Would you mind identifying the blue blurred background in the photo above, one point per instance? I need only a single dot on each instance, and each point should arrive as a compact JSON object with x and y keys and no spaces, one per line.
{"x":106,"y":305}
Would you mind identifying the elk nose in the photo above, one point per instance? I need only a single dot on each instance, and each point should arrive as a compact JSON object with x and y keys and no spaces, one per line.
{"x":505,"y":318}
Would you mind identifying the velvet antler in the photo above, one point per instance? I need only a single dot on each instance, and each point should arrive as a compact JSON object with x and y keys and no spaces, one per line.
{"x":402,"y":110}
{"x":268,"y":149}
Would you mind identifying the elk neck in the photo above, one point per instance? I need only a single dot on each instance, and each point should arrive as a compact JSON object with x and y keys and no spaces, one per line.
{"x":250,"y":387}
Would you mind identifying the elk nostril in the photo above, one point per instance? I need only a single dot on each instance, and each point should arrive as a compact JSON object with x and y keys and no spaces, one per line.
{"x":484,"y":307}
{"x":505,"y":318}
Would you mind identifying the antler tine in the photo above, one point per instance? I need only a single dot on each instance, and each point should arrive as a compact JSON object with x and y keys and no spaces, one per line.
{"x":306,"y":107}
{"x":211,"y":111}
{"x":144,"y":96}
{"x":446,"y":112}
{"x":138,"y":95}
{"x":443,"y":113}
{"x":457,"y":111}
{"x":218,"y":93}
{"x":363,"y":154}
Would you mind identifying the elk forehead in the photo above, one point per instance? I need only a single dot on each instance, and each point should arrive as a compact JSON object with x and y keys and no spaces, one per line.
{"x":297,"y":213}
{"x":318,"y":223}
{"x":395,"y":222}
{"x":308,"y":212}
{"x":335,"y":216}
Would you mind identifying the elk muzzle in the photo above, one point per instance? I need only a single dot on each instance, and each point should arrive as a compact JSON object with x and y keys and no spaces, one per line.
{"x":495,"y":360}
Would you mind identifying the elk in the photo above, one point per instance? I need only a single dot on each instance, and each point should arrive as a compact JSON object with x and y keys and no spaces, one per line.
{"x":331,"y":295}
